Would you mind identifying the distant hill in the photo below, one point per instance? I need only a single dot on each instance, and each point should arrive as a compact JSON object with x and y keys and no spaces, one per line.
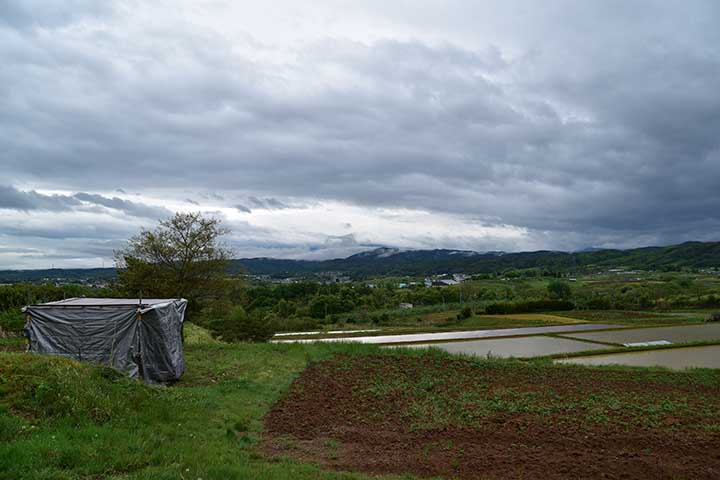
{"x":71,"y":275}
{"x":393,"y":261}
{"x":387,"y":261}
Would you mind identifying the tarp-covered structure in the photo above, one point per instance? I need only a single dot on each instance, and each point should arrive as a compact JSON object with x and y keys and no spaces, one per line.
{"x":142,"y":337}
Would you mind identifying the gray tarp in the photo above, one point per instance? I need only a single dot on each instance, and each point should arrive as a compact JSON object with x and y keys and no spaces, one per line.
{"x":144,"y":340}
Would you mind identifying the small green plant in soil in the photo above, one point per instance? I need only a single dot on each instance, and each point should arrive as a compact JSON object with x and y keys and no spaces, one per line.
{"x":435,"y":414}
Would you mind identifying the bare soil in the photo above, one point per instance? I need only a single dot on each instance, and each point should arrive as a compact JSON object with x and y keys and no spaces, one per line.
{"x":457,"y":418}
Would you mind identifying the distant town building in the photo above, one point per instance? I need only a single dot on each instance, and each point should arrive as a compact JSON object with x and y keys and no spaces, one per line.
{"x":440,"y":281}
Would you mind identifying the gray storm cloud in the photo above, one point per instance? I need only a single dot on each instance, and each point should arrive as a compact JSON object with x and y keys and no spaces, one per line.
{"x":586,"y":123}
{"x":12,"y":198}
{"x":134,"y":209}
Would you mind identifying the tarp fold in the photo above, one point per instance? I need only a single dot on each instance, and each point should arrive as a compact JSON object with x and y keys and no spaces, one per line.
{"x":143,"y":339}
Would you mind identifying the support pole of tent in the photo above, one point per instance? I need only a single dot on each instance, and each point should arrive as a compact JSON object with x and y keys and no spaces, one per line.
{"x":28,"y":319}
{"x":141,"y":373}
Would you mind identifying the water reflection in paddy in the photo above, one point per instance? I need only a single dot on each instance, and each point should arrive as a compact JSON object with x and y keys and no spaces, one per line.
{"x":680,"y":334}
{"x":675,"y":358}
{"x":514,"y":347}
{"x":459,"y":335}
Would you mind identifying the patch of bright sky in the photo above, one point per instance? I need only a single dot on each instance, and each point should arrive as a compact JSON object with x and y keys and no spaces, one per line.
{"x":315,"y":221}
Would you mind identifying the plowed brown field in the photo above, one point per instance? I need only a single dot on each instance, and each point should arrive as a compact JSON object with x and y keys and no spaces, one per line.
{"x":433,"y":415}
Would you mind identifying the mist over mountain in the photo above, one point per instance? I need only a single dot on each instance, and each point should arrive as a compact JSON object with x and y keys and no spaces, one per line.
{"x":384,"y":261}
{"x":393,"y":261}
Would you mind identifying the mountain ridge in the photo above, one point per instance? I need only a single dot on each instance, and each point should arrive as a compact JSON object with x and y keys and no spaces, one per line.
{"x":384,"y":261}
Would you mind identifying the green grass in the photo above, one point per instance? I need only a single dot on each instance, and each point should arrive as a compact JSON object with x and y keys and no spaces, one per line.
{"x":195,"y":335}
{"x":12,"y":344}
{"x":639,"y":318}
{"x":63,"y":420}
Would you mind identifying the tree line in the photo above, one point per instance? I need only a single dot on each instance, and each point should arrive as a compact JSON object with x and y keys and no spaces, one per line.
{"x":184,"y":256}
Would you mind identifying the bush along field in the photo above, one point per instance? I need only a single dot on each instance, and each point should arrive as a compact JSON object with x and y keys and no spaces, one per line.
{"x":406,"y":304}
{"x":294,"y":411}
{"x":248,"y":309}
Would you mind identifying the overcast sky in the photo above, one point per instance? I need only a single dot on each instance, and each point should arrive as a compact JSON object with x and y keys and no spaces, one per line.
{"x":317,"y":129}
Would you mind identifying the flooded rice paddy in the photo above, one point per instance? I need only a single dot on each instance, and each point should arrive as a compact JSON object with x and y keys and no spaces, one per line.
{"x":325,"y":332}
{"x":528,"y":342}
{"x":514,"y":347}
{"x":677,"y":334}
{"x":463,"y":335}
{"x":675,"y":358}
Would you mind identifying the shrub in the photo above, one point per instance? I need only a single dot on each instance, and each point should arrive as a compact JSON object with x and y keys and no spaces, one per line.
{"x":645,"y":302}
{"x":465,"y":313}
{"x":711,"y":301}
{"x":379,"y":319}
{"x":529,"y":307}
{"x":557,"y":289}
{"x":296,"y":324}
{"x":238,"y":326}
{"x":12,"y":321}
{"x":600,"y":303}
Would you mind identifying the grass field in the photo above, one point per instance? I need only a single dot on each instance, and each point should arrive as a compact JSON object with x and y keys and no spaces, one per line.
{"x":64,"y":420}
{"x":640,"y":318}
{"x":11,"y":344}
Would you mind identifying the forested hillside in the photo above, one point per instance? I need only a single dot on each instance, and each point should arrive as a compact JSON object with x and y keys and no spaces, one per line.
{"x":389,"y":261}
{"x":384,"y":261}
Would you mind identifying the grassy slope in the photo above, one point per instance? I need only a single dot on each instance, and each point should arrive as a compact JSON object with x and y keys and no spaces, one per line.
{"x":11,"y":344}
{"x":62,"y":420}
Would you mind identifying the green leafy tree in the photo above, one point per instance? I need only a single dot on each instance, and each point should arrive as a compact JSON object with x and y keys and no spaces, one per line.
{"x":181,"y":257}
{"x":239,"y":326}
{"x":559,"y":290}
